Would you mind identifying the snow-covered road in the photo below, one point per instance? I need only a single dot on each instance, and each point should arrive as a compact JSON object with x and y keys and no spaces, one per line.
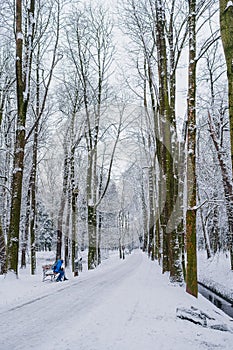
{"x":124,"y":305}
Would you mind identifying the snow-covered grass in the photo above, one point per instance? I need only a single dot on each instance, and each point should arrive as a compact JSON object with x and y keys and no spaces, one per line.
{"x":14,"y":291}
{"x":216,"y":273}
{"x":122,"y":305}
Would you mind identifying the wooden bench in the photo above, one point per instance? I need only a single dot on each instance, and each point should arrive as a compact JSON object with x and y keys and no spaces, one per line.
{"x":48,"y":272}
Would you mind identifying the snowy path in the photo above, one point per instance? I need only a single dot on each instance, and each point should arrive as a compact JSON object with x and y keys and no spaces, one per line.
{"x":128,"y":305}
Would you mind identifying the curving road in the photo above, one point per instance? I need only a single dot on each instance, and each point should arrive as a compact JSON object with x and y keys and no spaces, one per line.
{"x":128,"y":305}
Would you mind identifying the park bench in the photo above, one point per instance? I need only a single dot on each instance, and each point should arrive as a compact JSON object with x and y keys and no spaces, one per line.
{"x":48,"y":272}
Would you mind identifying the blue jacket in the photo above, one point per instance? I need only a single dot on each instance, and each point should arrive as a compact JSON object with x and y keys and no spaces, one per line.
{"x":58,"y":265}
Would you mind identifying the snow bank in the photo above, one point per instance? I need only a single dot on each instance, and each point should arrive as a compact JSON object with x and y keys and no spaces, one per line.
{"x":216,"y":274}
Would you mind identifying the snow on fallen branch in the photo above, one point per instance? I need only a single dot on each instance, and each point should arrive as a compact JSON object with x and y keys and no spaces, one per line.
{"x":201,"y":318}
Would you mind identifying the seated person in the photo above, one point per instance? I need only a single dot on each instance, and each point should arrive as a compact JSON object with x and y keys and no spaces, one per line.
{"x":57,"y":268}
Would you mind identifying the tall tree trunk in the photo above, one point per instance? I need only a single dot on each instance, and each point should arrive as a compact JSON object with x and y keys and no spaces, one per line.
{"x":175,"y":223}
{"x":59,"y":244}
{"x":74,"y":235}
{"x":67,"y":229}
{"x":25,"y":234}
{"x":144,"y":213}
{"x":62,"y":204}
{"x":23,"y":87}
{"x":151,"y":223}
{"x":205,"y":232}
{"x":92,"y":251}
{"x":121,"y":232}
{"x":172,"y":64}
{"x":176,"y":219}
{"x":32,"y":184}
{"x":226,"y":27}
{"x":166,"y":125}
{"x":31,"y":210}
{"x":33,"y":204}
{"x":191,"y":272}
{"x":182,"y":186}
{"x":40,"y":106}
{"x":178,"y":233}
{"x":214,"y":231}
{"x":100,"y":215}
{"x":74,"y":195}
{"x":99,"y":237}
{"x":74,"y":243}
{"x":2,"y":251}
{"x":159,"y":195}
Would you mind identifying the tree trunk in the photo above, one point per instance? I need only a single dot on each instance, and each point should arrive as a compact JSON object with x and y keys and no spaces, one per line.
{"x":205,"y":234}
{"x":157,"y":203}
{"x":191,"y":272}
{"x":215,"y":231}
{"x":151,"y":226}
{"x":59,"y":244}
{"x":120,"y":249}
{"x":227,"y":186}
{"x":32,"y":184}
{"x":74,"y":243}
{"x":99,"y":238}
{"x":226,"y":27}
{"x":92,"y":251}
{"x":74,"y":195}
{"x":144,"y":213}
{"x":2,"y":251}
{"x":23,"y":91}
{"x":165,"y":150}
{"x":25,"y":234}
{"x":67,"y":229}
{"x":62,"y":204}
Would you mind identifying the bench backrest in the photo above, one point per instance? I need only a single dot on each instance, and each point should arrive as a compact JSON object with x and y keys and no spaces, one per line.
{"x":47,"y":267}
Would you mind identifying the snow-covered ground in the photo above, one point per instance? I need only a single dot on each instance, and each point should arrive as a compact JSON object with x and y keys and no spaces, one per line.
{"x":121,"y":305}
{"x":216,"y":273}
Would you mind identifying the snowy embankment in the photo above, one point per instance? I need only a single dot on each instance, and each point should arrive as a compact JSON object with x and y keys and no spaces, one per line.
{"x":216,"y":274}
{"x":122,"y":305}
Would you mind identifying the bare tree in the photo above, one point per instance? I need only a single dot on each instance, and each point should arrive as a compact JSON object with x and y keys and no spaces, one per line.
{"x":7,"y":124}
{"x":47,"y":19}
{"x":157,"y":70}
{"x":24,"y":46}
{"x":191,"y":276}
{"x":70,"y":105}
{"x":226,"y":26}
{"x":217,"y":137}
{"x":92,"y":58}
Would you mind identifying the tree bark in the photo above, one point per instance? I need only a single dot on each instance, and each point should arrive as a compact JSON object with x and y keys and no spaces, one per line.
{"x":151,"y":226}
{"x":92,"y":251}
{"x":62,"y":203}
{"x":226,"y":27}
{"x":2,"y":251}
{"x":23,"y":92}
{"x":145,"y":218}
{"x":191,"y":271}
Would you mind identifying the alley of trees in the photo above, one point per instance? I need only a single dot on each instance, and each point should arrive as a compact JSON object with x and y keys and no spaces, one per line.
{"x":116,"y":131}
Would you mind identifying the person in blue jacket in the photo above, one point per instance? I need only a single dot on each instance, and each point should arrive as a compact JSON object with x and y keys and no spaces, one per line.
{"x":59,"y":269}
